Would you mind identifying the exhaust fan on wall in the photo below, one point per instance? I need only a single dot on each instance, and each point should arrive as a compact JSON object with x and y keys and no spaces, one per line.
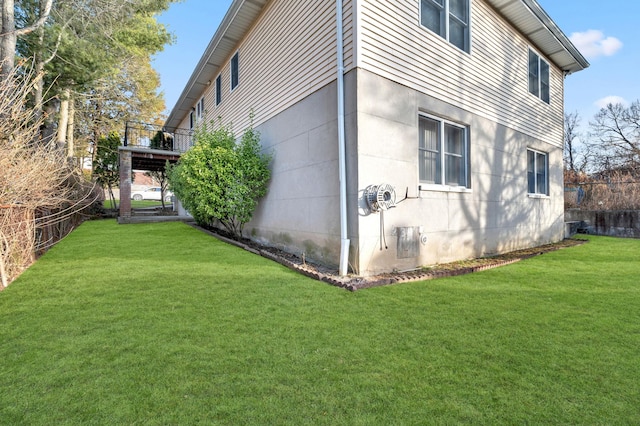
{"x":380,"y":197}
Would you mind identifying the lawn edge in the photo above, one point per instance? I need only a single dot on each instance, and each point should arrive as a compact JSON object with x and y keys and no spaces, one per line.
{"x":354,"y":283}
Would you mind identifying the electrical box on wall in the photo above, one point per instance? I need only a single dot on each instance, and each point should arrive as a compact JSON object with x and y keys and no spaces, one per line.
{"x":408,"y":242}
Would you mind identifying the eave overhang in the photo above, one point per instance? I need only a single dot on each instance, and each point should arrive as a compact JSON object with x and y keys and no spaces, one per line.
{"x":237,"y":22}
{"x":528,"y":17}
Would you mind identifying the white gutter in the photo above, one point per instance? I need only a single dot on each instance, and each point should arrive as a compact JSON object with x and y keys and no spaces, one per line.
{"x":342,"y":160}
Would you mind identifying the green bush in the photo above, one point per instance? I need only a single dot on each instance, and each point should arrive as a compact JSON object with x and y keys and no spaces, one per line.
{"x":221,"y":180}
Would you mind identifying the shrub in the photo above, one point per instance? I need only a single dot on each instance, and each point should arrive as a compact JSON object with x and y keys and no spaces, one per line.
{"x":41,"y":193}
{"x":221,"y":180}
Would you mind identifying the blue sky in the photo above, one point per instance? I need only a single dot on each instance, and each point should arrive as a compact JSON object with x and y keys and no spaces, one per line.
{"x":606,"y":33}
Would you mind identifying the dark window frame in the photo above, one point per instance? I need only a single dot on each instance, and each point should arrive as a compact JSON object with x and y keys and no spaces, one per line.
{"x":454,"y":26}
{"x":539,"y":73}
{"x":218,"y":90}
{"x":234,"y":67}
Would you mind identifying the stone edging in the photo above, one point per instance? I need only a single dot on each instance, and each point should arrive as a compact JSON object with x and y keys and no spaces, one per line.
{"x":358,"y":283}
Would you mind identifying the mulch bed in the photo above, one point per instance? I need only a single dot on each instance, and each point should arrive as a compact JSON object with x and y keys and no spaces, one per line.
{"x":353,"y":283}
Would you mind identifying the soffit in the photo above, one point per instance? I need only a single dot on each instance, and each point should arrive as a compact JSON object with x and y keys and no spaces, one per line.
{"x":234,"y":26}
{"x":529,"y":18}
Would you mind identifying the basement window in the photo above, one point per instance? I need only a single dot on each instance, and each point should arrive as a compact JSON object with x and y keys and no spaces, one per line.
{"x":443,"y":153}
{"x":537,"y":172}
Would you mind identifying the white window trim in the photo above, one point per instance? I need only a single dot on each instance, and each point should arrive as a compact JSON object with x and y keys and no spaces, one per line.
{"x":446,"y":38}
{"x":235,"y":55}
{"x":541,"y":59}
{"x":200,"y":110}
{"x":434,"y":187}
{"x":539,"y":195}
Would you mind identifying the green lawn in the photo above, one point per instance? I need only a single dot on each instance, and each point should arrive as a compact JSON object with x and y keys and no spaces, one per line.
{"x":137,"y":204}
{"x":161,"y":324}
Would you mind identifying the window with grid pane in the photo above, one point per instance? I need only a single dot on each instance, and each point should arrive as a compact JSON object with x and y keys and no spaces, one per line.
{"x":449,"y":19}
{"x":443,"y":152}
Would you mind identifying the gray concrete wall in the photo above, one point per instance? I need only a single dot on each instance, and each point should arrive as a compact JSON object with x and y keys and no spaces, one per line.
{"x":620,"y":223}
{"x":300,"y":213}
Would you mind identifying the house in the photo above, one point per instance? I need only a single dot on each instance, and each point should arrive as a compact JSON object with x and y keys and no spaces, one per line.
{"x":403,"y":133}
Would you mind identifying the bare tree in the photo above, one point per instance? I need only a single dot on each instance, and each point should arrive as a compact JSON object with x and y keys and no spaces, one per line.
{"x":571,"y":137}
{"x":616,"y":130}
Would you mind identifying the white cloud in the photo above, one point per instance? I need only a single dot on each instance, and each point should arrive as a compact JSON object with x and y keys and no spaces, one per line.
{"x":602,"y":103}
{"x":593,"y":44}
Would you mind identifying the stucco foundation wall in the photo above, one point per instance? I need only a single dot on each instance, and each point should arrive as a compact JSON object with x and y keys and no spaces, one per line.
{"x":301,"y":212}
{"x":496,"y":215}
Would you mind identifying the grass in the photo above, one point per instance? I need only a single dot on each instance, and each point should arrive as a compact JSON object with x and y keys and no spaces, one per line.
{"x":161,"y":324}
{"x":137,"y":204}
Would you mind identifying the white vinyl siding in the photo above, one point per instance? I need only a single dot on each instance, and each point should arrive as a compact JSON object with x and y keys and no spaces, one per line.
{"x":489,"y":82}
{"x":289,"y":53}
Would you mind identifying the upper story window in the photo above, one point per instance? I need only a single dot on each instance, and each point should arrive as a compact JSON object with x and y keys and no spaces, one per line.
{"x":538,"y":76}
{"x":200,"y":109}
{"x":443,"y":152}
{"x":234,"y":71}
{"x":218,"y":90}
{"x":537,"y":172}
{"x":449,"y":19}
{"x":191,"y":120}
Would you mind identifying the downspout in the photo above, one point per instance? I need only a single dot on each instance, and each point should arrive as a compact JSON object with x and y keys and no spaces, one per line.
{"x":342,"y":160}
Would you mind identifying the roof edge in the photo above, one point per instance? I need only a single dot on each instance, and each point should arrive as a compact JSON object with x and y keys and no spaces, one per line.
{"x":173,"y":121}
{"x":562,"y":38}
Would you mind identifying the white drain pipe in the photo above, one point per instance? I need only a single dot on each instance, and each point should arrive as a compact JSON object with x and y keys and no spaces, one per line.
{"x":342,"y":156}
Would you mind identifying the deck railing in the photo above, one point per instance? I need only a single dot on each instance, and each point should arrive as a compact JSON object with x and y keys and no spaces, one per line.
{"x":144,"y":135}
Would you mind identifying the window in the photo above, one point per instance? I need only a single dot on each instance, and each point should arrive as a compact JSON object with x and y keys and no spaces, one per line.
{"x":218,"y":90}
{"x":449,"y":19}
{"x":191,"y":120}
{"x":200,"y":109}
{"x":537,"y":172}
{"x":538,"y":76}
{"x":443,"y":152}
{"x":234,"y":71}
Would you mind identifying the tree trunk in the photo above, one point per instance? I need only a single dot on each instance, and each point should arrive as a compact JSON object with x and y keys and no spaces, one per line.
{"x":38,"y":95}
{"x":70,"y":129}
{"x":9,"y":33}
{"x":7,"y":39}
{"x":63,"y":121}
{"x":48,"y":128}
